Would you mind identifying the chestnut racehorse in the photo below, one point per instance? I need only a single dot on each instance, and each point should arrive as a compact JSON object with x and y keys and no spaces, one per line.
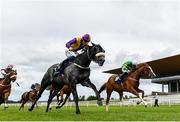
{"x":130,"y":84}
{"x":66,"y":89}
{"x":29,"y":95}
{"x":5,"y":87}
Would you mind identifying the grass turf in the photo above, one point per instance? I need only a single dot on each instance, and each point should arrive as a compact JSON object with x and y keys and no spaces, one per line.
{"x":93,"y":113}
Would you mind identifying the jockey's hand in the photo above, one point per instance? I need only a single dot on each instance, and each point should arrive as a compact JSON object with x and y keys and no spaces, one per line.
{"x":71,"y":49}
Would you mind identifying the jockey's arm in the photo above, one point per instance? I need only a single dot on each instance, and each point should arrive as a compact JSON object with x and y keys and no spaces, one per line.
{"x":3,"y":72}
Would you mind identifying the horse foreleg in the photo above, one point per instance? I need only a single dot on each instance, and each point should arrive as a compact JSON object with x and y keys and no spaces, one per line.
{"x":108,"y":91}
{"x":67,"y":96}
{"x":141,"y":96}
{"x":138,"y":94}
{"x":51,"y":96}
{"x":58,"y":97}
{"x":91,"y":85}
{"x":75,"y":95}
{"x":61,"y":94}
{"x":6,"y":100}
{"x":41,"y":90}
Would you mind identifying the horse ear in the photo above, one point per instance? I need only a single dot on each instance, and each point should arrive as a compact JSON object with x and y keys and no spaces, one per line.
{"x":93,"y":44}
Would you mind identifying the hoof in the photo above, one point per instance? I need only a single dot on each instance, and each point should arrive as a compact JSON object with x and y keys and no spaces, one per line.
{"x":99,"y":103}
{"x":30,"y":109}
{"x":78,"y":112}
{"x":58,"y":107}
{"x":138,"y":103}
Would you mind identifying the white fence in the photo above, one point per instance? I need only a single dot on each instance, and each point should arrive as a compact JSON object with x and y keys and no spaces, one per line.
{"x":163,"y":100}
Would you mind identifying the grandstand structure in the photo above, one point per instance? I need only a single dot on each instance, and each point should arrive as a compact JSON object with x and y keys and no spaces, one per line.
{"x":167,"y":71}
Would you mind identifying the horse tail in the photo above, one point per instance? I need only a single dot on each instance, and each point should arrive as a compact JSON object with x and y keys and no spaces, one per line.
{"x":20,"y":101}
{"x":102,"y":88}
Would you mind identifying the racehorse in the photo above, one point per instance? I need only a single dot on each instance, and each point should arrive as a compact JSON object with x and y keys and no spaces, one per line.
{"x":131,"y":83}
{"x":30,"y":95}
{"x":66,"y":89}
{"x":77,"y":72}
{"x":5,"y":87}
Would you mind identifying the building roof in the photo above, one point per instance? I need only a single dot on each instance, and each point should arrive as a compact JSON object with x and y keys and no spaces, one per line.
{"x":165,"y":67}
{"x":166,"y":80}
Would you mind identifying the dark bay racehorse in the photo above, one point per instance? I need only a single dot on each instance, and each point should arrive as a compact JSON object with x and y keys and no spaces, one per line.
{"x":5,"y":87}
{"x":29,"y":95}
{"x":131,"y":84}
{"x":77,"y":72}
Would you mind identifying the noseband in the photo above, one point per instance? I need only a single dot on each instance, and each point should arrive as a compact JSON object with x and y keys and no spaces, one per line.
{"x":97,"y":54}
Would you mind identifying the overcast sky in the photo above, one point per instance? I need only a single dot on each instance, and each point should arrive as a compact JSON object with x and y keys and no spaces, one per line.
{"x":34,"y":33}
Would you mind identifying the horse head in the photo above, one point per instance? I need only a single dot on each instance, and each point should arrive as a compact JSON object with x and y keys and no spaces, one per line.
{"x":12,"y":75}
{"x":147,"y":71}
{"x":97,"y":54}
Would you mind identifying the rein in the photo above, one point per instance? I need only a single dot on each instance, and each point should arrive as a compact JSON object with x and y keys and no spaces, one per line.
{"x":88,"y":55}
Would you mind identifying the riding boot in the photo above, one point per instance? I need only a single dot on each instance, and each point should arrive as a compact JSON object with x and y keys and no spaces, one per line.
{"x":122,"y":77}
{"x":60,"y":69}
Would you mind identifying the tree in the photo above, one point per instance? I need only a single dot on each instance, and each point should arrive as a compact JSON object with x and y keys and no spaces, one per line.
{"x":91,"y":98}
{"x":82,"y":98}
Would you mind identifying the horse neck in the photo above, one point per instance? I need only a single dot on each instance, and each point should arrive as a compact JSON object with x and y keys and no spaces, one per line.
{"x":83,"y":60}
{"x":137,"y":73}
{"x":5,"y":81}
{"x":34,"y":91}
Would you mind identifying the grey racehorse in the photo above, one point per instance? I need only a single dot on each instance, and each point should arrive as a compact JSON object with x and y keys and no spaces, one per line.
{"x":77,"y":72}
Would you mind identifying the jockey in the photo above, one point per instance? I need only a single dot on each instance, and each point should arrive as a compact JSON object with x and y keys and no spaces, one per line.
{"x":73,"y":46}
{"x":126,"y":68}
{"x":5,"y":71}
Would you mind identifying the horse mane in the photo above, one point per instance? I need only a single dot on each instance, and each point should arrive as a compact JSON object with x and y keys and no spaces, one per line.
{"x":141,"y":64}
{"x":137,"y":67}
